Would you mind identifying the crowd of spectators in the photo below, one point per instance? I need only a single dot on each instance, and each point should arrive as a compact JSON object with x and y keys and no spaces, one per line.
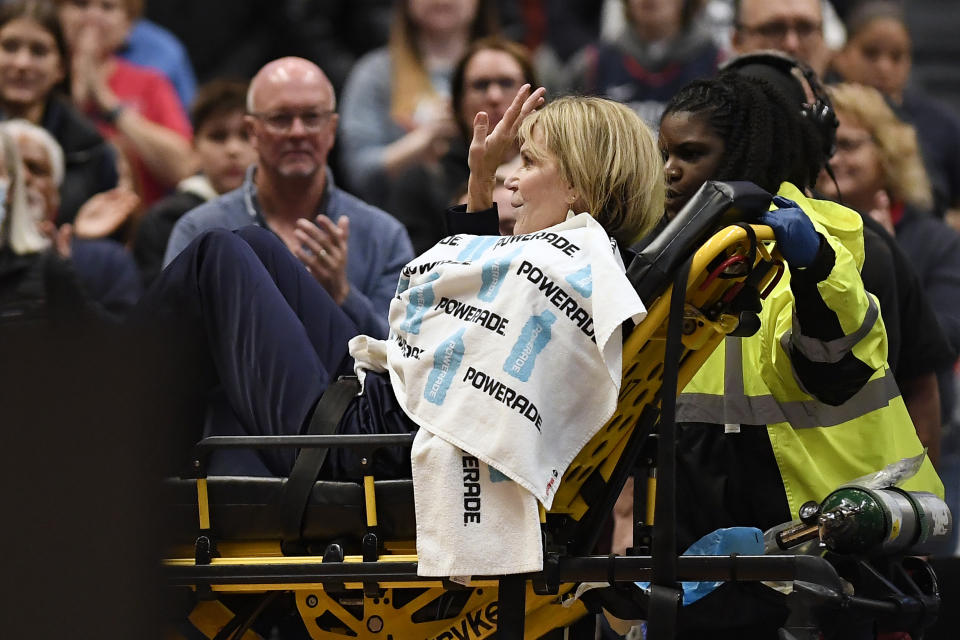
{"x":131,"y":126}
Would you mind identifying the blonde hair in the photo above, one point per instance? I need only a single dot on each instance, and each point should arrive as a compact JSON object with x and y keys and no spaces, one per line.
{"x":410,"y":80}
{"x":904,"y":175}
{"x":609,"y":156}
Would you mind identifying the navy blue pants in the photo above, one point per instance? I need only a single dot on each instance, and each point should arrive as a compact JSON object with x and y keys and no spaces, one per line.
{"x":261,"y":338}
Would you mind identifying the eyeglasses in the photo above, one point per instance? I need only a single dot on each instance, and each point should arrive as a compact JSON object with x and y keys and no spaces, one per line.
{"x":282,"y":121}
{"x":777,"y":30}
{"x":482,"y":85}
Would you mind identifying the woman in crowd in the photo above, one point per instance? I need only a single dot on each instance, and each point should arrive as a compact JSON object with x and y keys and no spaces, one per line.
{"x":879,"y":172}
{"x":877,"y":54}
{"x":396,"y":110}
{"x":485,"y":79}
{"x":660,"y":51}
{"x":33,"y":68}
{"x":135,"y":107}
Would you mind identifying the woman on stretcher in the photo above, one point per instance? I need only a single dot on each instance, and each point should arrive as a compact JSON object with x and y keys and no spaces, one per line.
{"x":257,"y":327}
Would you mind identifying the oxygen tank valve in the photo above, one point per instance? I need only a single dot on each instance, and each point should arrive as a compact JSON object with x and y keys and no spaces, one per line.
{"x":856,"y":519}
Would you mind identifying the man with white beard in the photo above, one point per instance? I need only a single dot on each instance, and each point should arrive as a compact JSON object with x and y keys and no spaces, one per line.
{"x":45,"y":272}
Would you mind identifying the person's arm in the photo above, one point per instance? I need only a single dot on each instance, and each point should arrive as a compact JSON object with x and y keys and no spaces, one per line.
{"x":622,"y":537}
{"x":161,"y":138}
{"x":836,"y":340}
{"x":165,"y":151}
{"x":475,"y":223}
{"x":922,"y":397}
{"x":425,"y":144}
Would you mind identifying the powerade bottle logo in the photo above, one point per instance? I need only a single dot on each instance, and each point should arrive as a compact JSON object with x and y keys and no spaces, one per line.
{"x":420,"y":300}
{"x":533,"y":339}
{"x":582,"y":281}
{"x":476,"y":247}
{"x":493,"y":273}
{"x":446,"y":361}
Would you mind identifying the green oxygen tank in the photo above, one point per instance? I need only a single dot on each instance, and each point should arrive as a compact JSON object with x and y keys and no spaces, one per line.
{"x":855,"y":519}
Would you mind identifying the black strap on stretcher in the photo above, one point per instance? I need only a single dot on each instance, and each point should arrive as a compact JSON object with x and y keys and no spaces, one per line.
{"x":306,"y":469}
{"x":665,"y":593}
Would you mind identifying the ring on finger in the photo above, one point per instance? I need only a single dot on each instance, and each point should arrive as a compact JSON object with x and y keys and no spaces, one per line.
{"x":323,"y":253}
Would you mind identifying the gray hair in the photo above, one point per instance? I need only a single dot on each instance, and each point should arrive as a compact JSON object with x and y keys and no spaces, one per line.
{"x":19,"y":227}
{"x":20,"y":127}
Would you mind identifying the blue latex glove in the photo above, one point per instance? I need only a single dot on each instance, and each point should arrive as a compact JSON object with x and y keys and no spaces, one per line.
{"x":798,"y":241}
{"x":746,"y":541}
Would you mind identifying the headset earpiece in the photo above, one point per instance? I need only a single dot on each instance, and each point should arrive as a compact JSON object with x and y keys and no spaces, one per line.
{"x":820,"y":112}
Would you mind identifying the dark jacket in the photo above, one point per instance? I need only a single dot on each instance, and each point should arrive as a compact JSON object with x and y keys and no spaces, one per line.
{"x":99,"y":281}
{"x":938,"y":133}
{"x":91,"y":165}
{"x":916,"y":341}
{"x":933,"y":249}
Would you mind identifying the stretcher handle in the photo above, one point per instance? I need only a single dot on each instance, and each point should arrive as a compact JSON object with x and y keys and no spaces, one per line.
{"x":305,"y":442}
{"x":366,"y":443}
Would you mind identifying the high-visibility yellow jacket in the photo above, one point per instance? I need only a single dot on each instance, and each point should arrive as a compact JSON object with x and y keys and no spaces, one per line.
{"x":815,"y":373}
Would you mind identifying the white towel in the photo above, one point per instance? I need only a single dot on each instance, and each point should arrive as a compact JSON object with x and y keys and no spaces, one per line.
{"x":507,"y":350}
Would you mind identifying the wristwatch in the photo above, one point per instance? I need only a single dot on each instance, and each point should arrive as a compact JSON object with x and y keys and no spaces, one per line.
{"x":110,"y":116}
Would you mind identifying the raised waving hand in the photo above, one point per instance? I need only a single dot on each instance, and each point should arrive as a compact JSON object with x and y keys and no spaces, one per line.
{"x":487,"y":149}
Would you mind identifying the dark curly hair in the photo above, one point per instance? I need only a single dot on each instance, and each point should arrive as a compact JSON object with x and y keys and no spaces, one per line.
{"x":766,"y":139}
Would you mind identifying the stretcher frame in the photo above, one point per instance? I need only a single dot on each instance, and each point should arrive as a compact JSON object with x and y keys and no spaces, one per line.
{"x":376,"y":593}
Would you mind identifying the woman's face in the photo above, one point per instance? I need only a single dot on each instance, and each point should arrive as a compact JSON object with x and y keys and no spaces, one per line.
{"x":490,"y":81}
{"x":442,"y":16}
{"x":30,"y":65}
{"x":879,"y":56}
{"x":692,"y":153}
{"x":856,"y":165}
{"x":540,"y":196}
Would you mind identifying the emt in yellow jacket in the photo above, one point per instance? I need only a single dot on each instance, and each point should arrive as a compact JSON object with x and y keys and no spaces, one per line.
{"x":804,"y":405}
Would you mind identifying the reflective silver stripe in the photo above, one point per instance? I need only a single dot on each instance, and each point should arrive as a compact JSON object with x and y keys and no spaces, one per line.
{"x":829,"y":350}
{"x":801,"y":414}
{"x":733,"y":364}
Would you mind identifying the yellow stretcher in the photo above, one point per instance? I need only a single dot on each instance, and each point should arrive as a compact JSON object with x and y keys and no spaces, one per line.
{"x":351,"y":569}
